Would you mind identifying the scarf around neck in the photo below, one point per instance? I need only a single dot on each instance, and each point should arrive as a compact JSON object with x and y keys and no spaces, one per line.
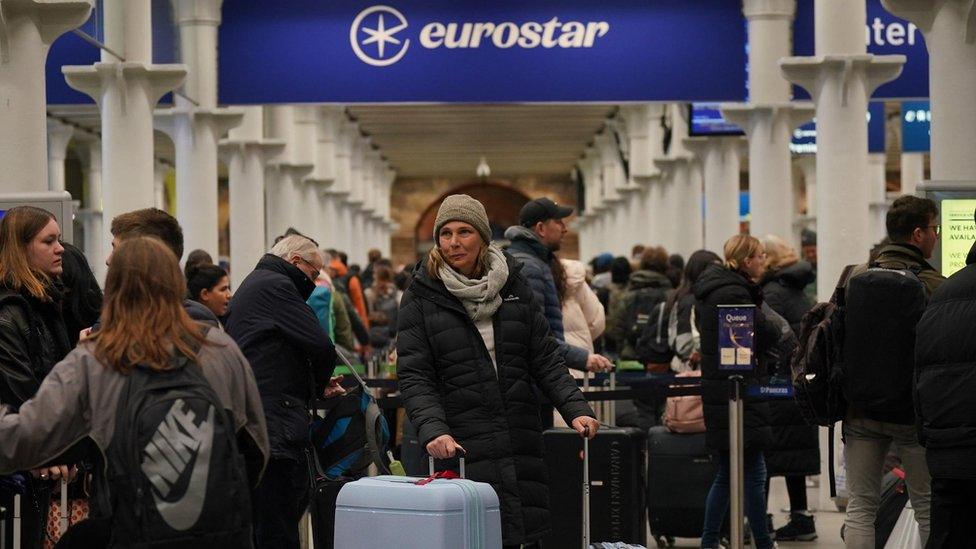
{"x":480,"y":297}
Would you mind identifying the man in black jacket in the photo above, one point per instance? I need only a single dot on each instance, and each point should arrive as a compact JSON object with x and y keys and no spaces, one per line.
{"x":945,"y":382}
{"x":869,"y":430}
{"x":293,"y":360}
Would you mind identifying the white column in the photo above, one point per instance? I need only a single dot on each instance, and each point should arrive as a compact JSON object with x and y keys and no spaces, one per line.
{"x":612,"y":177}
{"x":769,"y":117}
{"x":840,"y":78}
{"x":59,"y":135}
{"x":247,"y":152}
{"x":160,"y":171}
{"x":592,"y":170}
{"x":196,"y":124}
{"x":682,"y":223}
{"x":91,"y":153}
{"x":329,"y":118}
{"x":949,"y":27}
{"x":126,"y":93}
{"x":27,"y":29}
{"x":719,"y":157}
{"x":912,"y":171}
{"x":283,"y":193}
{"x":878,"y":191}
{"x":769,"y":128}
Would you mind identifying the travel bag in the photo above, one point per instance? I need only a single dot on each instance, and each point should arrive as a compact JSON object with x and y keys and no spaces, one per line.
{"x":680,"y":471}
{"x":617,"y":458}
{"x":412,"y":513}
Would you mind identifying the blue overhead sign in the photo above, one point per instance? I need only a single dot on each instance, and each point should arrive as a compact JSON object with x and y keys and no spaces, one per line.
{"x":805,"y":137}
{"x":916,"y":123}
{"x":884,"y":34}
{"x":501,"y":51}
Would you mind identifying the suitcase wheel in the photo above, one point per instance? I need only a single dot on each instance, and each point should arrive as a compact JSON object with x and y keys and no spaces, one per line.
{"x":664,"y":541}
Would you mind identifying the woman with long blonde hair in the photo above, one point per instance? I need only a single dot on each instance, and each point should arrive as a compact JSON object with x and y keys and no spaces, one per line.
{"x":734,"y":283}
{"x":143,"y":326}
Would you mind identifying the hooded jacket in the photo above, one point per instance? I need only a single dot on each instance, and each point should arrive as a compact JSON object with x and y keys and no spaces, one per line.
{"x":450,"y":386}
{"x":289,"y":352}
{"x":784,"y":291}
{"x":583,"y":316}
{"x":77,"y":402}
{"x":535,"y":258}
{"x":643,"y":284}
{"x":716,"y":286}
{"x":945,"y":376}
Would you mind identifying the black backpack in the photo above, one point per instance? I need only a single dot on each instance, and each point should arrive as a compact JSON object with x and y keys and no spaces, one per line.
{"x":175,"y":477}
{"x":653,"y":346}
{"x":817,"y":369}
{"x":640,"y":310}
{"x":883,"y":307}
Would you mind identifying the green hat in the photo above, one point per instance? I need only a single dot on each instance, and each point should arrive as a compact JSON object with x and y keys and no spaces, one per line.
{"x":461,"y":207}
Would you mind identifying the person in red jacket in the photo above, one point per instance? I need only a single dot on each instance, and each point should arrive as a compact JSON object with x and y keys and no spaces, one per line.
{"x":340,"y":275}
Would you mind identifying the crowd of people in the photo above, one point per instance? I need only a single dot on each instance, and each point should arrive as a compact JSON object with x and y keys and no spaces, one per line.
{"x":171,"y":385}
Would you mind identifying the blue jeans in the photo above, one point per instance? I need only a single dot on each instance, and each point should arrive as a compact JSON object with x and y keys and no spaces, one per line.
{"x":754,"y":488}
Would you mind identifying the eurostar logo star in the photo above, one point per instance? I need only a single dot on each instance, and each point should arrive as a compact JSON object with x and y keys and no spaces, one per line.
{"x":369,"y":33}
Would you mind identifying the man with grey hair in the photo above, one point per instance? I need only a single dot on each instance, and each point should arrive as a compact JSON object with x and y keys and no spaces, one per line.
{"x":293,"y":360}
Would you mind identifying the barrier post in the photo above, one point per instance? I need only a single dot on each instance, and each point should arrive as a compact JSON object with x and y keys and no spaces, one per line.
{"x":735,"y":461}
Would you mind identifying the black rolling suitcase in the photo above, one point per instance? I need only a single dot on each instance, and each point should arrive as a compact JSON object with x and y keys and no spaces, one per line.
{"x":616,"y":475}
{"x":680,"y":472}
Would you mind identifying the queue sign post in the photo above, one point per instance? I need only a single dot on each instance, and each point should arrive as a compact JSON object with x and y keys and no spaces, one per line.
{"x":736,"y":346}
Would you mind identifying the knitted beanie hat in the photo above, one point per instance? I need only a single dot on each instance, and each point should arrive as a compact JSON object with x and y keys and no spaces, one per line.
{"x":461,"y":207}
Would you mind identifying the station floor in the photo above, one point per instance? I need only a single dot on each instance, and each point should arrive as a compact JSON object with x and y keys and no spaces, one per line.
{"x":828,"y":521}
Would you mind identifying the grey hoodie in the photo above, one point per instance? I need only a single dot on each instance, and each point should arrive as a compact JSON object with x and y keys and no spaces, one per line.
{"x":78,"y":400}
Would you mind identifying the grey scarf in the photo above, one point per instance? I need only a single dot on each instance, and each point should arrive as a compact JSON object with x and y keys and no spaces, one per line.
{"x":480,"y":297}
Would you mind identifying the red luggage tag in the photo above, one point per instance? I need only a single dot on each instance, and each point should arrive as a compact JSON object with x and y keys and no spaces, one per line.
{"x":437,"y":475}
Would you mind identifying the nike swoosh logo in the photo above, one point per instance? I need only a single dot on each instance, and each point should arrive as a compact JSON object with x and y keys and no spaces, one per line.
{"x":180,"y":446}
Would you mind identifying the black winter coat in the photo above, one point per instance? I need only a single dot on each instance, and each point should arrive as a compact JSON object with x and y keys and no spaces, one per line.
{"x":291,"y":355}
{"x":795,"y":448}
{"x":720,"y":286}
{"x":450,"y":386}
{"x":945,"y":377}
{"x":33,"y":338}
{"x":784,"y":291}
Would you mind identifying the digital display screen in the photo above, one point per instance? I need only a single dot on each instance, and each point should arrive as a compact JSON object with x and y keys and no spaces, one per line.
{"x":916,"y":123}
{"x":958,"y":232}
{"x":706,"y":119}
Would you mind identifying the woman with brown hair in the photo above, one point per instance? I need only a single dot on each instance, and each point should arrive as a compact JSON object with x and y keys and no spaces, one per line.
{"x":143,"y":327}
{"x":472,"y":344}
{"x":33,"y":337}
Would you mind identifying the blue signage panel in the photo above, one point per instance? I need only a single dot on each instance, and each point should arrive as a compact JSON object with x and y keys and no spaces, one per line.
{"x":916,"y":119}
{"x":736,"y":337}
{"x":706,"y":119}
{"x":501,"y":51}
{"x":770,"y":390}
{"x":884,"y":34}
{"x":804,"y":139}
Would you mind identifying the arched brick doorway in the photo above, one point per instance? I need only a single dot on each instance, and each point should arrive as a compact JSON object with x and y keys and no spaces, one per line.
{"x":502,"y":203}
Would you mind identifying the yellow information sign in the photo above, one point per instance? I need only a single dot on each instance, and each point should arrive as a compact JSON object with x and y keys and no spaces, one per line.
{"x":958,"y":233}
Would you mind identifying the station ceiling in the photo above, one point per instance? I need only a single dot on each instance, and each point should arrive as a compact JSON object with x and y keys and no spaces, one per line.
{"x":449,"y":140}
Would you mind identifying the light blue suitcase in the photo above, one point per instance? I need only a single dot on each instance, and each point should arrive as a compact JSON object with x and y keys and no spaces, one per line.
{"x":393,"y":511}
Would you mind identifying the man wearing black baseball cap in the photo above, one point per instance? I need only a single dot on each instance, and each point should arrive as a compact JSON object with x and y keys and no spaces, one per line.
{"x":535,"y":240}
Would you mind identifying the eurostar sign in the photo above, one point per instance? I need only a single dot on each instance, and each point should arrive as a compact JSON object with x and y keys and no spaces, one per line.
{"x":373,"y":35}
{"x":499,"y":51}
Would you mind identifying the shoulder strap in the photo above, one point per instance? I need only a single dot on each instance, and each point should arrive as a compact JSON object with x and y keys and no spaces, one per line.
{"x":838,"y":297}
{"x":660,"y":319}
{"x":373,"y":414}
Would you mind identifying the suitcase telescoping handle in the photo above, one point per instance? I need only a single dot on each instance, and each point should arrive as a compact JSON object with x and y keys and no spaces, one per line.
{"x":586,"y":487}
{"x":461,"y":455}
{"x":65,"y":512}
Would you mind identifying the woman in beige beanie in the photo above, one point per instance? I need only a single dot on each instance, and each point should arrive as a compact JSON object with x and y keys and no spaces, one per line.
{"x":472,"y":344}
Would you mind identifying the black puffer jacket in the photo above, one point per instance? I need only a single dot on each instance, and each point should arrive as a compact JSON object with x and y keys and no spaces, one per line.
{"x":33,"y":339}
{"x":291,"y":355}
{"x":449,"y":386}
{"x":720,"y":286}
{"x":945,"y":377}
{"x":795,"y":449}
{"x":783,"y":290}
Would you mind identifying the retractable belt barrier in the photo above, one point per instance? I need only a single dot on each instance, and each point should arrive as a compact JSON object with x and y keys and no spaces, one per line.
{"x":638,"y":385}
